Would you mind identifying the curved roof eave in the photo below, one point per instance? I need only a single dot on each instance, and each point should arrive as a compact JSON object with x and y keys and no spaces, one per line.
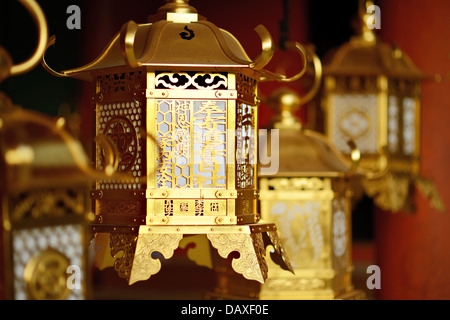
{"x":152,"y":51}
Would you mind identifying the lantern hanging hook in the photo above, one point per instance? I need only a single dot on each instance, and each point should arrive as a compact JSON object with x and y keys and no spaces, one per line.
{"x":127,"y":36}
{"x":384,"y":167}
{"x":355,"y":156}
{"x":280,"y":77}
{"x":51,"y":41}
{"x":38,"y":16}
{"x":263,"y":58}
{"x":318,"y":71}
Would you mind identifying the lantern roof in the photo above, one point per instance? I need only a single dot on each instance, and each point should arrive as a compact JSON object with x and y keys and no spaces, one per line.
{"x":303,"y":152}
{"x":37,"y":151}
{"x":176,"y":37}
{"x":366,"y":55}
{"x":361,"y":58}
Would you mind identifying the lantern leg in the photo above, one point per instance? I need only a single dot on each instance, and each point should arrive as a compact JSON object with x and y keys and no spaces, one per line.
{"x":103,"y":258}
{"x":144,"y":266}
{"x":251,"y":262}
{"x":278,"y":255}
{"x":251,"y":247}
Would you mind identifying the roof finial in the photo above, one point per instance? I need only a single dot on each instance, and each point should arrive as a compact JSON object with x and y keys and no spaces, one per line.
{"x":285,"y":102}
{"x":177,"y":6}
{"x":366,"y":22}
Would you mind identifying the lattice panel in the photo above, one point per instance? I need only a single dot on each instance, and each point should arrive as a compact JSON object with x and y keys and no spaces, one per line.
{"x":124,"y":123}
{"x":245,"y":146}
{"x":191,"y":138}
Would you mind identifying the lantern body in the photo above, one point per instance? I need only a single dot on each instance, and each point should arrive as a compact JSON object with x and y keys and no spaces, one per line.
{"x":204,"y":147}
{"x":178,"y":98}
{"x":375,"y":111}
{"x":187,"y":174}
{"x":44,"y":195}
{"x":313,"y":215}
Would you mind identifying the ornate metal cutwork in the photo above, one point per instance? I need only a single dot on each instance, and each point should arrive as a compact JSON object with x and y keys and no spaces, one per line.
{"x":197,"y":162}
{"x":120,"y":82}
{"x":246,"y":87}
{"x":45,"y":276}
{"x":279,"y":252}
{"x":245,"y":146}
{"x":123,"y":134}
{"x":251,"y":262}
{"x":126,"y":243}
{"x":313,"y":184}
{"x":198,"y":81}
{"x":389,"y":192}
{"x":145,"y":265}
{"x":49,"y":203}
{"x":123,"y":123}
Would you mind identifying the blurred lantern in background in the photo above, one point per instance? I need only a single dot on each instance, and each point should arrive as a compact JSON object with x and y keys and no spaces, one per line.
{"x":371,"y":95}
{"x":44,"y":189}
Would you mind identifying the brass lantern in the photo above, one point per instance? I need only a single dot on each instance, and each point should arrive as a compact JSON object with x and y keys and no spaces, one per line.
{"x":44,"y":192}
{"x":179,"y":97}
{"x":372,"y":94}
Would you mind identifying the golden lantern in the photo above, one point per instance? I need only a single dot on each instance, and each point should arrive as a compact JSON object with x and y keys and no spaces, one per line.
{"x":372,"y":94}
{"x":44,"y":189}
{"x":179,"y":97}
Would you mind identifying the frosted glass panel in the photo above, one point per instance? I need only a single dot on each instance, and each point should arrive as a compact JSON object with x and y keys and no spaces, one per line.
{"x":354,"y":116}
{"x":393,"y":124}
{"x":409,"y":134}
{"x":191,"y":138}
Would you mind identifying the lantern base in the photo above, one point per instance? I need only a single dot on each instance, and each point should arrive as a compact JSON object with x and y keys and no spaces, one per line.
{"x":323,"y":284}
{"x":250,"y":241}
{"x":251,"y":292}
{"x":351,"y":295}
